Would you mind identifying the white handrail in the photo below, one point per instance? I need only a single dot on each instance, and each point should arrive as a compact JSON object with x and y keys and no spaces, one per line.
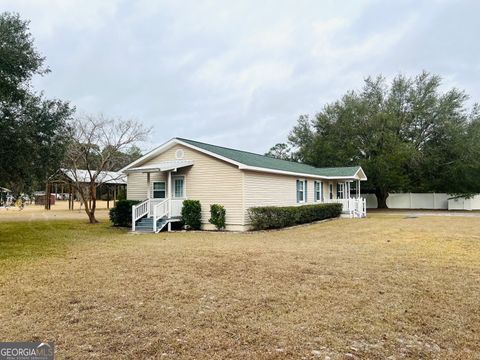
{"x":355,"y":207}
{"x":139,"y":211}
{"x":159,"y":211}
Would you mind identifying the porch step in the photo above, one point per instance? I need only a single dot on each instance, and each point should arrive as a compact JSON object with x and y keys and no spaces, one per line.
{"x":146,"y":224}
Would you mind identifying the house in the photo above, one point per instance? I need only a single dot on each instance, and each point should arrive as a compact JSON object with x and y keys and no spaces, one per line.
{"x":186,"y":169}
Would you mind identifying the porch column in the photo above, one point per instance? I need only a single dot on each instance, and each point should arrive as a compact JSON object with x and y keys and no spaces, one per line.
{"x":148,"y":185}
{"x":169,"y":194}
{"x":358,"y":189}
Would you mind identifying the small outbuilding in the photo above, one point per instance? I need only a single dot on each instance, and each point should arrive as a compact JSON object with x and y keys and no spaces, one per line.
{"x":5,"y":196}
{"x":64,"y":180}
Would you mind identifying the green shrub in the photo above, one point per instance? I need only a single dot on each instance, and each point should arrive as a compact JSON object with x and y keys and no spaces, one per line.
{"x":122,"y":194}
{"x":273,"y":217}
{"x":192,"y":214}
{"x":217,"y":216}
{"x":121,"y":214}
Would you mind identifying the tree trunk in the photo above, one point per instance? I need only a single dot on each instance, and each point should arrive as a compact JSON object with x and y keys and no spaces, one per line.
{"x":47,"y":196}
{"x":382,"y":196}
{"x":91,"y":217}
{"x":93,"y":203}
{"x":88,"y":198}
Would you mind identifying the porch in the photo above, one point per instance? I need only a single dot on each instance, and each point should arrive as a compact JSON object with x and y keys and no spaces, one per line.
{"x":164,"y":197}
{"x":353,"y":205}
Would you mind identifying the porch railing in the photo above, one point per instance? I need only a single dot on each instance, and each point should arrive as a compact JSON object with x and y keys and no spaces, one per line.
{"x":153,"y":203}
{"x":156,"y":208}
{"x":160,"y":210}
{"x":176,"y":207}
{"x":139,"y":211}
{"x":356,"y":207}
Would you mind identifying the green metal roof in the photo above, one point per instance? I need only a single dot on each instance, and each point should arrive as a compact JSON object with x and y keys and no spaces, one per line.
{"x":262,"y":161}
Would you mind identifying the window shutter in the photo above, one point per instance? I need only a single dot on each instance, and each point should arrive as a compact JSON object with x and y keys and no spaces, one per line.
{"x":296,"y":189}
{"x":305,"y":197}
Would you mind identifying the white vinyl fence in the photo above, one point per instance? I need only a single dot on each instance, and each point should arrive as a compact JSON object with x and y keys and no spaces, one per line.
{"x":430,"y":201}
{"x":472,"y":203}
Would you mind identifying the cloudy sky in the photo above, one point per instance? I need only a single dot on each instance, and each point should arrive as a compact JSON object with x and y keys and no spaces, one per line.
{"x":239,"y":73}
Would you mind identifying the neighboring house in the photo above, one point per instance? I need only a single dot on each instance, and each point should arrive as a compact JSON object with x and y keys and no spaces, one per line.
{"x":186,"y":169}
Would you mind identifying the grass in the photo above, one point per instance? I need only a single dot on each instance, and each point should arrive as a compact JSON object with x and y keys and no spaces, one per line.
{"x":385,"y":286}
{"x":30,"y":240}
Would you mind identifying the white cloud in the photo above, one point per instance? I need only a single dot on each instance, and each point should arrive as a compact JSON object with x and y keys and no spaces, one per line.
{"x":239,"y":73}
{"x":51,"y":16}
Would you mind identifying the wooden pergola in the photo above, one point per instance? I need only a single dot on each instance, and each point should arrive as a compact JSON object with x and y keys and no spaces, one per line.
{"x":65,"y":179}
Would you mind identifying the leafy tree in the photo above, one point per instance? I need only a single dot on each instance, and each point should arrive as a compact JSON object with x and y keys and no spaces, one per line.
{"x":280,"y":151}
{"x":33,"y":130}
{"x":408,"y":136}
{"x":120,"y":159}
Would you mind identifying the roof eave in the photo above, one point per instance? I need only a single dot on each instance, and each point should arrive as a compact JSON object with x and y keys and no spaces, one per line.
{"x":165,"y":146}
{"x":168,"y":166}
{"x":283,"y":172}
{"x":151,"y":154}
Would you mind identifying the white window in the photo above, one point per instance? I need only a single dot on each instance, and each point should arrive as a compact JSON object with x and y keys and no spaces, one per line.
{"x":178,"y":185}
{"x":318,"y":191}
{"x":158,"y":189}
{"x":301,"y":191}
{"x":340,"y":191}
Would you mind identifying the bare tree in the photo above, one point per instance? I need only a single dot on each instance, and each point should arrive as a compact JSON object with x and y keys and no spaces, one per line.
{"x":95,"y":144}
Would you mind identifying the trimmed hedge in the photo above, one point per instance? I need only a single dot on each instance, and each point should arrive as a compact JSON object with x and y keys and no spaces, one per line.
{"x":274,"y":217}
{"x":121,"y":214}
{"x":217,"y":216}
{"x":192,"y":214}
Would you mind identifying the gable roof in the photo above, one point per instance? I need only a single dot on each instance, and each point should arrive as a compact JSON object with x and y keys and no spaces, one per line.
{"x":262,"y":161}
{"x":251,"y":161}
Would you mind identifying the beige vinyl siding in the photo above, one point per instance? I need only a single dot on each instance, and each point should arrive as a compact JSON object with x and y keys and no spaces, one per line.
{"x":264,"y":189}
{"x":212,"y":180}
{"x":209,"y":180}
{"x":137,"y":185}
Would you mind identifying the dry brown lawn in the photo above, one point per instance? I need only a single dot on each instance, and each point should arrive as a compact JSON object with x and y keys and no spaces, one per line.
{"x":59,"y":211}
{"x":382,"y":287}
